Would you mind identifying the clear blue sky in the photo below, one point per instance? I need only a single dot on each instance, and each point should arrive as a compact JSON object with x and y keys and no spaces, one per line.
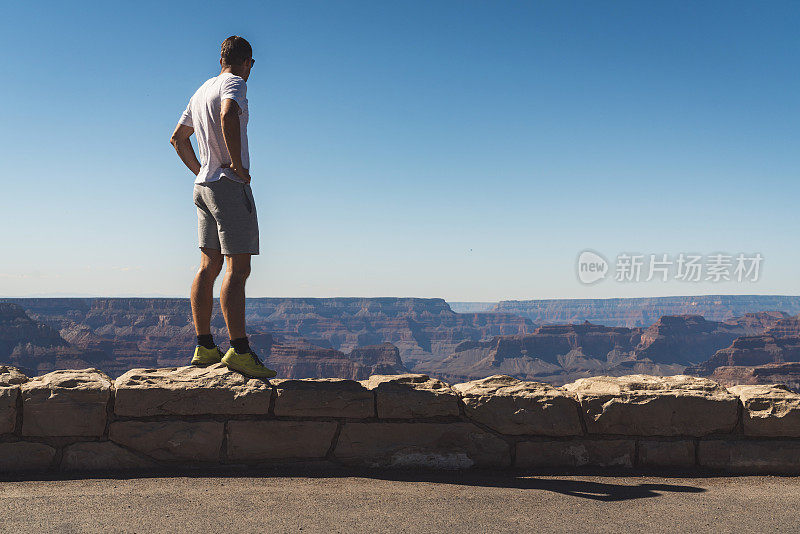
{"x":465,"y":150}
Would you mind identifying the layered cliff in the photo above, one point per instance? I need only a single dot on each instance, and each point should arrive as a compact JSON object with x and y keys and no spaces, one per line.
{"x":559,"y":353}
{"x":780,"y":343}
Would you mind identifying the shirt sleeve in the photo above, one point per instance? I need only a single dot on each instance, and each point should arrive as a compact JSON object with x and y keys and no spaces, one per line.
{"x":186,"y":116}
{"x":234,"y":88}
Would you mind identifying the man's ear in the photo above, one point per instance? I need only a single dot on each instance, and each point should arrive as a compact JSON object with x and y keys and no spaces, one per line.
{"x":220,"y":63}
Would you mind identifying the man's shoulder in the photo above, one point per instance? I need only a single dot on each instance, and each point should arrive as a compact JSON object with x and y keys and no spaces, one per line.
{"x":231,"y":80}
{"x":205,"y":85}
{"x":235,"y":77}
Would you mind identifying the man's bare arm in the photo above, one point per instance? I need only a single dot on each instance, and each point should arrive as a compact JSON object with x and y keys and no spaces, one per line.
{"x":183,"y":146}
{"x":232,"y":135}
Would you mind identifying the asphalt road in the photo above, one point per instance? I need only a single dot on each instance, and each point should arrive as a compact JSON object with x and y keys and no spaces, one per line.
{"x":401,"y":501}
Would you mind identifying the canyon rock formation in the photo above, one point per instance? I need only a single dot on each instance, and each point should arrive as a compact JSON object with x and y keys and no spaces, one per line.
{"x":752,"y":358}
{"x":303,"y":337}
{"x":560,"y":353}
{"x":353,"y":338}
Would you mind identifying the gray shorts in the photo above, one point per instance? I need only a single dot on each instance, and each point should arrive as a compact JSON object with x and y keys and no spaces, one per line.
{"x":226,"y":217}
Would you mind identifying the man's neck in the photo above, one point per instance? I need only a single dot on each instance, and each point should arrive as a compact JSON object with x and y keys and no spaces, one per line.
{"x":230,"y":70}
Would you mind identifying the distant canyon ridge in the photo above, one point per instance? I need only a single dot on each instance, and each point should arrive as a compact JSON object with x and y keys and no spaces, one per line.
{"x":734,"y":339}
{"x":632,"y":312}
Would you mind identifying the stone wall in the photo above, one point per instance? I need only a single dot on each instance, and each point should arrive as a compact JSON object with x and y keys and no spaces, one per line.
{"x":186,"y":417}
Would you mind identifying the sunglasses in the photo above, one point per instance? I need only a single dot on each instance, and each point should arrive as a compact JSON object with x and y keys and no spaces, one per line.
{"x":252,"y":62}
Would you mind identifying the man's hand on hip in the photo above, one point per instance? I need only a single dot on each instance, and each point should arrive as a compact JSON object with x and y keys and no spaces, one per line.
{"x":241,"y":172}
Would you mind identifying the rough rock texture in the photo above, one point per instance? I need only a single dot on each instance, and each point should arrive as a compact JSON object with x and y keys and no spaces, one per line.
{"x":192,"y":441}
{"x":439,"y":445}
{"x":769,"y":410}
{"x":102,"y":456}
{"x":189,"y":391}
{"x":323,"y":397}
{"x":678,"y":453}
{"x":655,"y":406}
{"x":11,"y":376}
{"x":756,"y":456}
{"x":267,"y":440}
{"x":66,"y":403}
{"x":412,"y":395}
{"x":576,"y":453}
{"x":512,"y":406}
{"x":25,"y":456}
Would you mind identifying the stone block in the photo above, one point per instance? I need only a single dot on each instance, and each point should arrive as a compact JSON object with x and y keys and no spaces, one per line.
{"x":769,"y":410}
{"x":751,"y":456}
{"x":411,"y":395}
{"x":265,"y":440}
{"x":189,"y":390}
{"x":25,"y":456}
{"x":102,"y":456}
{"x":680,"y":453}
{"x":576,"y":453}
{"x":643,"y":405}
{"x":512,"y":406}
{"x":66,"y":403}
{"x":323,"y":397}
{"x":8,"y":408}
{"x":192,"y":441}
{"x":433,"y":445}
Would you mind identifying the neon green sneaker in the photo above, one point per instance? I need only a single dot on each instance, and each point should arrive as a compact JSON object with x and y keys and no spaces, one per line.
{"x":248,"y":364}
{"x":204,"y":357}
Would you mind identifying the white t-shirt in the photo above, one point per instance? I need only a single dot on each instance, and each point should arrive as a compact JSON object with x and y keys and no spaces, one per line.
{"x":202,"y":114}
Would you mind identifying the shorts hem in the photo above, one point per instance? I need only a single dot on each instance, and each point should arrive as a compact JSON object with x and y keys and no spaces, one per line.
{"x":231,"y":253}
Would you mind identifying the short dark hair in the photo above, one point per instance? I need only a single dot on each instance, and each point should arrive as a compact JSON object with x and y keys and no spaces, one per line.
{"x":235,"y":50}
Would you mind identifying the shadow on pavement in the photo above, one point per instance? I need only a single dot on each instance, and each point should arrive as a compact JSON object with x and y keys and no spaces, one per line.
{"x":566,"y":483}
{"x":589,"y":489}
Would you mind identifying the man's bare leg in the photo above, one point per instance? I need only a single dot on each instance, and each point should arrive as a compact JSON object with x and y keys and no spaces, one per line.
{"x":232,"y":294}
{"x":202,"y":295}
{"x":241,"y":357}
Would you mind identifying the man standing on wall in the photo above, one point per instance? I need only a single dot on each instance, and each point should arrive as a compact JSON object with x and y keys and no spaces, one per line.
{"x":227,"y":223}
